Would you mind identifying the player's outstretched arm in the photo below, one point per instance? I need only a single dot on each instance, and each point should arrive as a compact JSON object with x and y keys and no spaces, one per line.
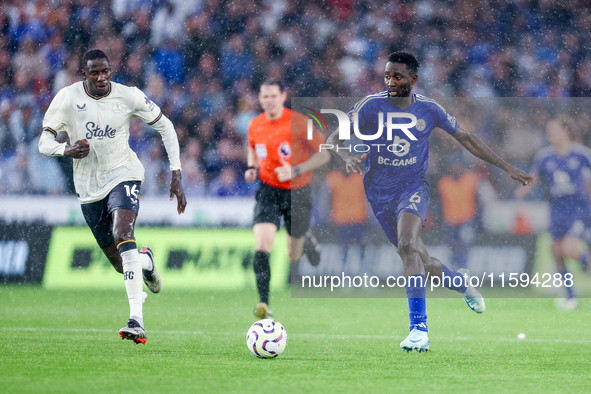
{"x":479,"y":149}
{"x":286,"y":172}
{"x":338,"y":149}
{"x":315,"y":161}
{"x":171,"y":143}
{"x":176,"y":189}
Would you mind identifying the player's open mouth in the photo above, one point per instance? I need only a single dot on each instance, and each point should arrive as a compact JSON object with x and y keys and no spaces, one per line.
{"x":392,"y":93}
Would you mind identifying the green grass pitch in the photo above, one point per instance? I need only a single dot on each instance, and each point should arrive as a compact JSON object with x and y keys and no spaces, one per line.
{"x":68,"y":342}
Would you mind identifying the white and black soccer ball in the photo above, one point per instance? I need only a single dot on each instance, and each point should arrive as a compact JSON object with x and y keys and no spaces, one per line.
{"x":266,"y":338}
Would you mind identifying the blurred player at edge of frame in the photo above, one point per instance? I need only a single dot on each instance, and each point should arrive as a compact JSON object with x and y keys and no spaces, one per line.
{"x":95,"y":113}
{"x":396,"y":184}
{"x":564,"y":168}
{"x":283,"y":159}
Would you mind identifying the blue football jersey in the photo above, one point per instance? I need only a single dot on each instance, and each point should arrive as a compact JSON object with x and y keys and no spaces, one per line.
{"x":395,"y":162}
{"x":564,"y":177}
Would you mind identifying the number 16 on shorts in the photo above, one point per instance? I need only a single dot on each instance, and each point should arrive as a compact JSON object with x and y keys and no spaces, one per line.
{"x":132,"y":193}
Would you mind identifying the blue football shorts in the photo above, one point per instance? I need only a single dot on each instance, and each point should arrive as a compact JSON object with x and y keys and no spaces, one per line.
{"x":573,"y":220}
{"x":414,"y":198}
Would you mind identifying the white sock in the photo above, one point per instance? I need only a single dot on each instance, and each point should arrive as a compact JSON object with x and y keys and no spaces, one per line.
{"x":146,"y":261}
{"x":132,"y":273}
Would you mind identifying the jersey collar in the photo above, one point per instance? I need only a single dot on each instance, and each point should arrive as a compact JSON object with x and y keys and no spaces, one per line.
{"x":96,"y":97}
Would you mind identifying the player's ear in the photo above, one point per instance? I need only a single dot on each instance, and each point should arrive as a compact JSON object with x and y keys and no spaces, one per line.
{"x":414,"y":78}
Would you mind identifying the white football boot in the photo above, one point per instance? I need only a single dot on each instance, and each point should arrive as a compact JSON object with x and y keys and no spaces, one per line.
{"x":472,"y":297}
{"x":567,"y":304}
{"x":417,"y":339}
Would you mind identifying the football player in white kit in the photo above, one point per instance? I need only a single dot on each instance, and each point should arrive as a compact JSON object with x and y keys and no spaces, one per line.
{"x":95,"y":113}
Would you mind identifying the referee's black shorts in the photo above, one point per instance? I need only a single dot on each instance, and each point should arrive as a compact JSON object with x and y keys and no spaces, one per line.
{"x":293,"y":206}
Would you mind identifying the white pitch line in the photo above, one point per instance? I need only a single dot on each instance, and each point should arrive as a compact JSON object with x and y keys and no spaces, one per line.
{"x":327,"y":336}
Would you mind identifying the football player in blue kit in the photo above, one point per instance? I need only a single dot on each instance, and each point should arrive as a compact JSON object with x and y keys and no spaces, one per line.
{"x":396,"y":184}
{"x":564,"y":168}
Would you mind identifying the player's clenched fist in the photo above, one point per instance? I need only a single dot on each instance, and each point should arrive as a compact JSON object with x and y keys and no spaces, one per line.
{"x":250,"y":175}
{"x":520,"y":176}
{"x":78,"y":150}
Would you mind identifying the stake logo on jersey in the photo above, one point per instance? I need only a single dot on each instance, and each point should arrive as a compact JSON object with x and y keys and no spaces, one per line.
{"x":394,"y":161}
{"x":284,"y":150}
{"x":95,"y":131}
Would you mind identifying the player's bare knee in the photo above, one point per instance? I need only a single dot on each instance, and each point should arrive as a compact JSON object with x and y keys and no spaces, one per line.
{"x":557,"y":250}
{"x":266,"y":247}
{"x":121,"y":235}
{"x":570,"y":248}
{"x":407,"y":247}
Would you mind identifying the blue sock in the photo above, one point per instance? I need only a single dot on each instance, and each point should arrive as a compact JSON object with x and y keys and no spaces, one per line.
{"x":449,"y":282}
{"x":417,"y":307}
{"x":584,"y":259}
{"x":569,"y":290}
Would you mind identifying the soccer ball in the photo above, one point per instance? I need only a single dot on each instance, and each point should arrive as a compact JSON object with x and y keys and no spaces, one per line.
{"x":266,"y":338}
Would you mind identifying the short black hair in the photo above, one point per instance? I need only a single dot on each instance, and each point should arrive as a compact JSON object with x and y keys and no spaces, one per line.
{"x":93,"y":54}
{"x":273,"y":81}
{"x":405,"y":58}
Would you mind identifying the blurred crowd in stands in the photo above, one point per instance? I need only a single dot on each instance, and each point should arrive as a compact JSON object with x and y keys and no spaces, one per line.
{"x":202,"y":61}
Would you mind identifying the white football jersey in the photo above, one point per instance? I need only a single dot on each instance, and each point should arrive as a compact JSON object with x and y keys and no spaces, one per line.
{"x":104,"y":123}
